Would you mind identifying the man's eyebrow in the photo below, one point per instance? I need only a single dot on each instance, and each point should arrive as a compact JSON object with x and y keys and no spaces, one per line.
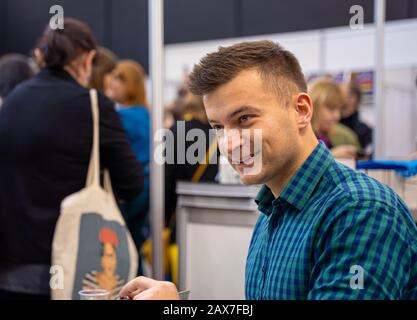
{"x":212,"y":121}
{"x":240,"y":110}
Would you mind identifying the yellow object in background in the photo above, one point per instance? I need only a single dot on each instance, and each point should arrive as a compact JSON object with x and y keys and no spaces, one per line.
{"x":173,"y":258}
{"x":170,"y":255}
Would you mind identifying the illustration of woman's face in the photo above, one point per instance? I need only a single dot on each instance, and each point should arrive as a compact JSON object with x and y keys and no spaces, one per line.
{"x":109,"y":258}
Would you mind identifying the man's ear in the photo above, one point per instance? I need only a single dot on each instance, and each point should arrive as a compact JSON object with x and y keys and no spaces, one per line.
{"x":304,"y":109}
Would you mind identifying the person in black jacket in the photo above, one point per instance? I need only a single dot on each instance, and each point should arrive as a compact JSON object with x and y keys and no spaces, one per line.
{"x":192,"y":108}
{"x":350,"y":117}
{"x":45,"y":144}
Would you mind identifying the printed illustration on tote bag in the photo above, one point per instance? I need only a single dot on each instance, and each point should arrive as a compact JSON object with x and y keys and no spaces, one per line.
{"x":103,"y":258}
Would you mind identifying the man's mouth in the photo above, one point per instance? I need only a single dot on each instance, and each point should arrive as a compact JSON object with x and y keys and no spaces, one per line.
{"x":247,"y":161}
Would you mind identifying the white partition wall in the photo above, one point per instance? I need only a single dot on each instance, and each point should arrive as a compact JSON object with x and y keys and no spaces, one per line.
{"x":342,"y":48}
{"x":215,"y":271}
{"x":214,"y":229}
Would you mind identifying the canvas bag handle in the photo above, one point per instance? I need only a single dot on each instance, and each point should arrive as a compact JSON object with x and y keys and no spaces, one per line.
{"x":93,"y":175}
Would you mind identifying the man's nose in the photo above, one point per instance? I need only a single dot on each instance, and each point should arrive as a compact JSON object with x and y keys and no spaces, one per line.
{"x":233,"y":142}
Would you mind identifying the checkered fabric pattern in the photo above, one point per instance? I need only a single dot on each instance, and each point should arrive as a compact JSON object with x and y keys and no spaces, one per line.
{"x":333,"y":233}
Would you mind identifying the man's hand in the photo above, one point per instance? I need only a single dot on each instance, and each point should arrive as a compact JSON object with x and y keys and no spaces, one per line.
{"x":143,"y":288}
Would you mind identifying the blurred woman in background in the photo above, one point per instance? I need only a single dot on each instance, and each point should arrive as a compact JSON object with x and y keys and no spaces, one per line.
{"x":126,"y":87}
{"x":104,"y":64}
{"x":46,"y":134}
{"x":328,"y":101}
{"x":14,"y":69}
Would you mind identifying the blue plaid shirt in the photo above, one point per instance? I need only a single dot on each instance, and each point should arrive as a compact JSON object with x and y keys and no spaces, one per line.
{"x":333,"y":233}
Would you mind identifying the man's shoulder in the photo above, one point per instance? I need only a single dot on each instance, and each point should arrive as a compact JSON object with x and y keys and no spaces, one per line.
{"x":354,"y":187}
{"x":355,"y":201}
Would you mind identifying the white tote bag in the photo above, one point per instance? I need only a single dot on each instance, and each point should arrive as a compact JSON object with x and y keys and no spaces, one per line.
{"x":92,"y":247}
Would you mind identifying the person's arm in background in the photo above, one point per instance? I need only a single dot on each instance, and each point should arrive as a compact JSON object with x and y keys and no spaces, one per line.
{"x":116,"y":153}
{"x":365,"y":254}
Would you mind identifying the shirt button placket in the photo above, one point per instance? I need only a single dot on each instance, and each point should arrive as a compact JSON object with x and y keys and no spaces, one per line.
{"x":273,"y":224}
{"x":266,"y":249}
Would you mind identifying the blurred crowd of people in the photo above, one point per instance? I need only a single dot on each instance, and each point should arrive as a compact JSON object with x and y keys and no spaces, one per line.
{"x":336,"y":119}
{"x":46,"y":137}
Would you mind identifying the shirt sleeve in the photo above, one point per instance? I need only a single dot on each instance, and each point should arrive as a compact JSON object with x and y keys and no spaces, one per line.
{"x":116,"y":153}
{"x":364,"y":253}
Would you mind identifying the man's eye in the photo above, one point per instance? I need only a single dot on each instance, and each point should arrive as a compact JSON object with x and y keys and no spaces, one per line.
{"x":243,"y":119}
{"x":219,"y":130}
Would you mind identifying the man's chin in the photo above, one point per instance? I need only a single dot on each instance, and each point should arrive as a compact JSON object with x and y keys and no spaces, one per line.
{"x":249,"y":179}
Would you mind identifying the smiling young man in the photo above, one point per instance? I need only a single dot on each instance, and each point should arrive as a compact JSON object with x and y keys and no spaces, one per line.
{"x":325,"y":231}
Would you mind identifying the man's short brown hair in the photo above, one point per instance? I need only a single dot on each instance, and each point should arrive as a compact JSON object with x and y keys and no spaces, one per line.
{"x":277,"y":67}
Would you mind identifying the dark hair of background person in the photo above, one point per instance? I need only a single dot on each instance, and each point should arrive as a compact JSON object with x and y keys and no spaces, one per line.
{"x":192,"y":107}
{"x":58,"y":47}
{"x":105,"y":62}
{"x":273,"y":62}
{"x":355,"y":90}
{"x":14,"y":69}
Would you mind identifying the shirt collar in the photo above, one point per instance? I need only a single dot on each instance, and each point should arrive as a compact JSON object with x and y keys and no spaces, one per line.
{"x":301,"y":185}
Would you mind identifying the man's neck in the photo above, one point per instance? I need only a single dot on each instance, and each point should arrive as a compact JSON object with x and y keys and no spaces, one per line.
{"x":280,"y":181}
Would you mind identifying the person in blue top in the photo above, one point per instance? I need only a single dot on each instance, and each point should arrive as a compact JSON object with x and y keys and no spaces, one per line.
{"x":127,"y":88}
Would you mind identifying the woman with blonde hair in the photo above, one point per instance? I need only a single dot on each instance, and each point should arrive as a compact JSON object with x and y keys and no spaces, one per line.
{"x":328,"y":101}
{"x":127,"y":88}
{"x":127,"y":85}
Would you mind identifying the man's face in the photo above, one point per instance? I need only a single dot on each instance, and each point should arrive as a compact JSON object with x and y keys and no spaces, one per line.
{"x":246,"y":103}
